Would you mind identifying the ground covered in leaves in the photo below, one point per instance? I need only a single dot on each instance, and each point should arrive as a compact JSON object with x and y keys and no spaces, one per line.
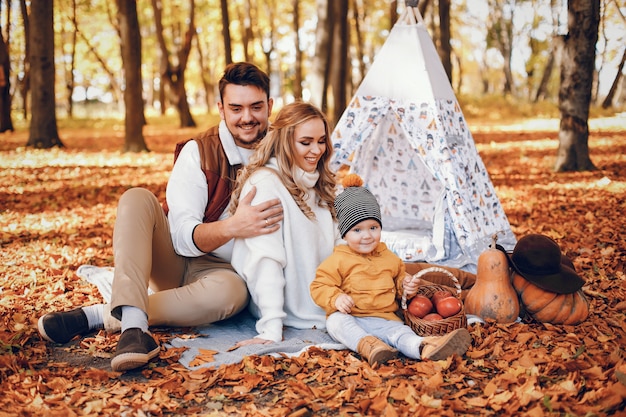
{"x":57,"y":209}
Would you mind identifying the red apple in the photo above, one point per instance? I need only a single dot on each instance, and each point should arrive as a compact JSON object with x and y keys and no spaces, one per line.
{"x":449,"y":306}
{"x":432,"y":317}
{"x":438,"y":295}
{"x":420,"y":305}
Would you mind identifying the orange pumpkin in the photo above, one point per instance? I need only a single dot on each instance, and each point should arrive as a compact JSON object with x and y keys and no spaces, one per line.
{"x":549,"y":307}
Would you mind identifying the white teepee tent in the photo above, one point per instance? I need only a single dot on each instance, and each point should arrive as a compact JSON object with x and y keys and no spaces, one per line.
{"x":404,"y":133}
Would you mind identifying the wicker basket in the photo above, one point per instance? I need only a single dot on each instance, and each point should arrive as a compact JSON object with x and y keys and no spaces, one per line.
{"x":439,"y":327}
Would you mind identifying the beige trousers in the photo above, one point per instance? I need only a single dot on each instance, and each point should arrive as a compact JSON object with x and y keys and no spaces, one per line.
{"x":187,"y":291}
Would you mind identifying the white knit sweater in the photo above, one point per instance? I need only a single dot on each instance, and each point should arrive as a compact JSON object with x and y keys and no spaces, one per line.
{"x":280,"y":266}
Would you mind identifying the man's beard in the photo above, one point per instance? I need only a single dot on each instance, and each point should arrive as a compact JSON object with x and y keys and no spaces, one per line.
{"x":256,"y":140}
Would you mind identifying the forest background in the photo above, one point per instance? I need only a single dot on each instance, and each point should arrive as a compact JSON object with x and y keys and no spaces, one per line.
{"x":505,"y":50}
{"x":57,"y":204}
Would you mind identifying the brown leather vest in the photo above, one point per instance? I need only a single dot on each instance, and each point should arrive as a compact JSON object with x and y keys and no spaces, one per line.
{"x":220,"y":175}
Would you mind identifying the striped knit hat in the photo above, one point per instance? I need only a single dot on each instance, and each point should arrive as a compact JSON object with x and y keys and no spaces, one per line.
{"x":355,"y":204}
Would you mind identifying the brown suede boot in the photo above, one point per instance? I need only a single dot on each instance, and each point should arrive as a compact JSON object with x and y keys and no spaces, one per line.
{"x":375,"y":350}
{"x":437,"y":348}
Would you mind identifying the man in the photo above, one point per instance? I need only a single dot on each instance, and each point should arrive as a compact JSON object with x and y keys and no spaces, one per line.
{"x":182,"y":250}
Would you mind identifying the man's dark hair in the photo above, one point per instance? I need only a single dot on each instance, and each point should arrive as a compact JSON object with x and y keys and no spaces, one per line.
{"x":244,"y":73}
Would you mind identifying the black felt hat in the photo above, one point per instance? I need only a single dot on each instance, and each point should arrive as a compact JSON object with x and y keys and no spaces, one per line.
{"x":539,"y":259}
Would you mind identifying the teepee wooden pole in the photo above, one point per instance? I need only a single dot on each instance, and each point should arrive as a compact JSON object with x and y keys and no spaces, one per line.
{"x":411,"y":15}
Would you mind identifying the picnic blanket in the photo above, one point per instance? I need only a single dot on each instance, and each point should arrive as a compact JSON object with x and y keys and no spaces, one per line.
{"x":222,"y":336}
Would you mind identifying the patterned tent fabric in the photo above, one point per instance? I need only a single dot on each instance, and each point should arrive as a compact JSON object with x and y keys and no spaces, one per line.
{"x":404,"y":133}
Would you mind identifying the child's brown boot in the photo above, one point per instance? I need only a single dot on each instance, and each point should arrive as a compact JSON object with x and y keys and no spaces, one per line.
{"x":437,"y":348}
{"x":375,"y":350}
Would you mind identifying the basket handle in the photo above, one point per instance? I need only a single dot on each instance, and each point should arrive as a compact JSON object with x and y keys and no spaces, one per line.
{"x":423,"y":272}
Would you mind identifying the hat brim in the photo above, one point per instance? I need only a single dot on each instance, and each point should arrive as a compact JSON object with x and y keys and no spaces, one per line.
{"x":565,"y":281}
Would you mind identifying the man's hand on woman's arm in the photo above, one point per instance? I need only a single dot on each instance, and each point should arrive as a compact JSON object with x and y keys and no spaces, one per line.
{"x":247,"y":221}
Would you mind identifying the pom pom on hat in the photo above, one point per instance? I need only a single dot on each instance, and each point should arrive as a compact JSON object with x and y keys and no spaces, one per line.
{"x":355,"y":204}
{"x":352,"y":180}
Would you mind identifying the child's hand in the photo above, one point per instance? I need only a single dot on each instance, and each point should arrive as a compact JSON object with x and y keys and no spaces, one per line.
{"x":344,"y":303}
{"x":410,"y":285}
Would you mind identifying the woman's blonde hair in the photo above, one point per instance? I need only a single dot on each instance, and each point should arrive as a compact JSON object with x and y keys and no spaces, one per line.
{"x":280,"y":143}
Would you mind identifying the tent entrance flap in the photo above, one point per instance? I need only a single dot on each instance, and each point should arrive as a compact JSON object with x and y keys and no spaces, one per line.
{"x":394,"y":173}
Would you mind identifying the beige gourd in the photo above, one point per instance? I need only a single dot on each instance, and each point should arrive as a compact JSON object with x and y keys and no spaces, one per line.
{"x":493,"y":296}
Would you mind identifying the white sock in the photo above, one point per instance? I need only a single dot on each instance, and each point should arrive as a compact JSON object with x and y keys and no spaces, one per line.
{"x":95,"y":316}
{"x":134,"y":317}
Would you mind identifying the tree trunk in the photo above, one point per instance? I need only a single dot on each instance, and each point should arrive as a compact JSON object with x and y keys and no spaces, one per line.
{"x":6,"y":124}
{"x":360,"y":47}
{"x":246,"y":31}
{"x":393,"y":13}
{"x":115,"y":86}
{"x":24,"y":84}
{"x":445,"y":49}
{"x":554,"y":60}
{"x":323,"y":49}
{"x":507,"y":52}
{"x":297,"y":77}
{"x":459,"y":65}
{"x":130,"y":46}
{"x":340,"y":58}
{"x":131,"y":59}
{"x":422,"y":6}
{"x":576,"y":82}
{"x":268,"y":39}
{"x":174,"y":75}
{"x":500,"y":36}
{"x":608,"y":100}
{"x":228,"y":53}
{"x":206,"y":74}
{"x":43,"y":124}
{"x":71,"y":65}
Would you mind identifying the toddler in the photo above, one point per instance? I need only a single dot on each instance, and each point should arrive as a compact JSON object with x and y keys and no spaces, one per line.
{"x":360,"y":283}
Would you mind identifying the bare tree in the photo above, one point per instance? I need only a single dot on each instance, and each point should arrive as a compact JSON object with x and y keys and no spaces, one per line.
{"x":577,"y":69}
{"x":339,"y":62}
{"x":43,"y":124}
{"x":131,"y":58}
{"x":554,"y":60}
{"x":173,"y":73}
{"x":115,"y":87}
{"x":206,"y":75}
{"x":24,"y":83}
{"x":247,"y":34}
{"x":554,"y":54}
{"x":444,"y":47}
{"x":76,"y":33}
{"x":393,"y":12}
{"x":297,"y":81}
{"x":228,"y":53}
{"x":267,"y":34}
{"x":608,"y":100}
{"x":69,"y":65}
{"x":500,"y":36}
{"x":358,"y":13}
{"x":323,"y":51}
{"x":6,"y":123}
{"x":422,"y":6}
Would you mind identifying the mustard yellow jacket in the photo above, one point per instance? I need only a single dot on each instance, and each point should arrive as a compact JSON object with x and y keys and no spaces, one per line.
{"x":373,"y":281}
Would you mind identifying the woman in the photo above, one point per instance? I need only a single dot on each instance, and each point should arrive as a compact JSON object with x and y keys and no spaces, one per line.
{"x":290,"y":164}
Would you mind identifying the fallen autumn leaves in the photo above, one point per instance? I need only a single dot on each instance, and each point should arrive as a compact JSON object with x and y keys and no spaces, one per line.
{"x":57,"y":212}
